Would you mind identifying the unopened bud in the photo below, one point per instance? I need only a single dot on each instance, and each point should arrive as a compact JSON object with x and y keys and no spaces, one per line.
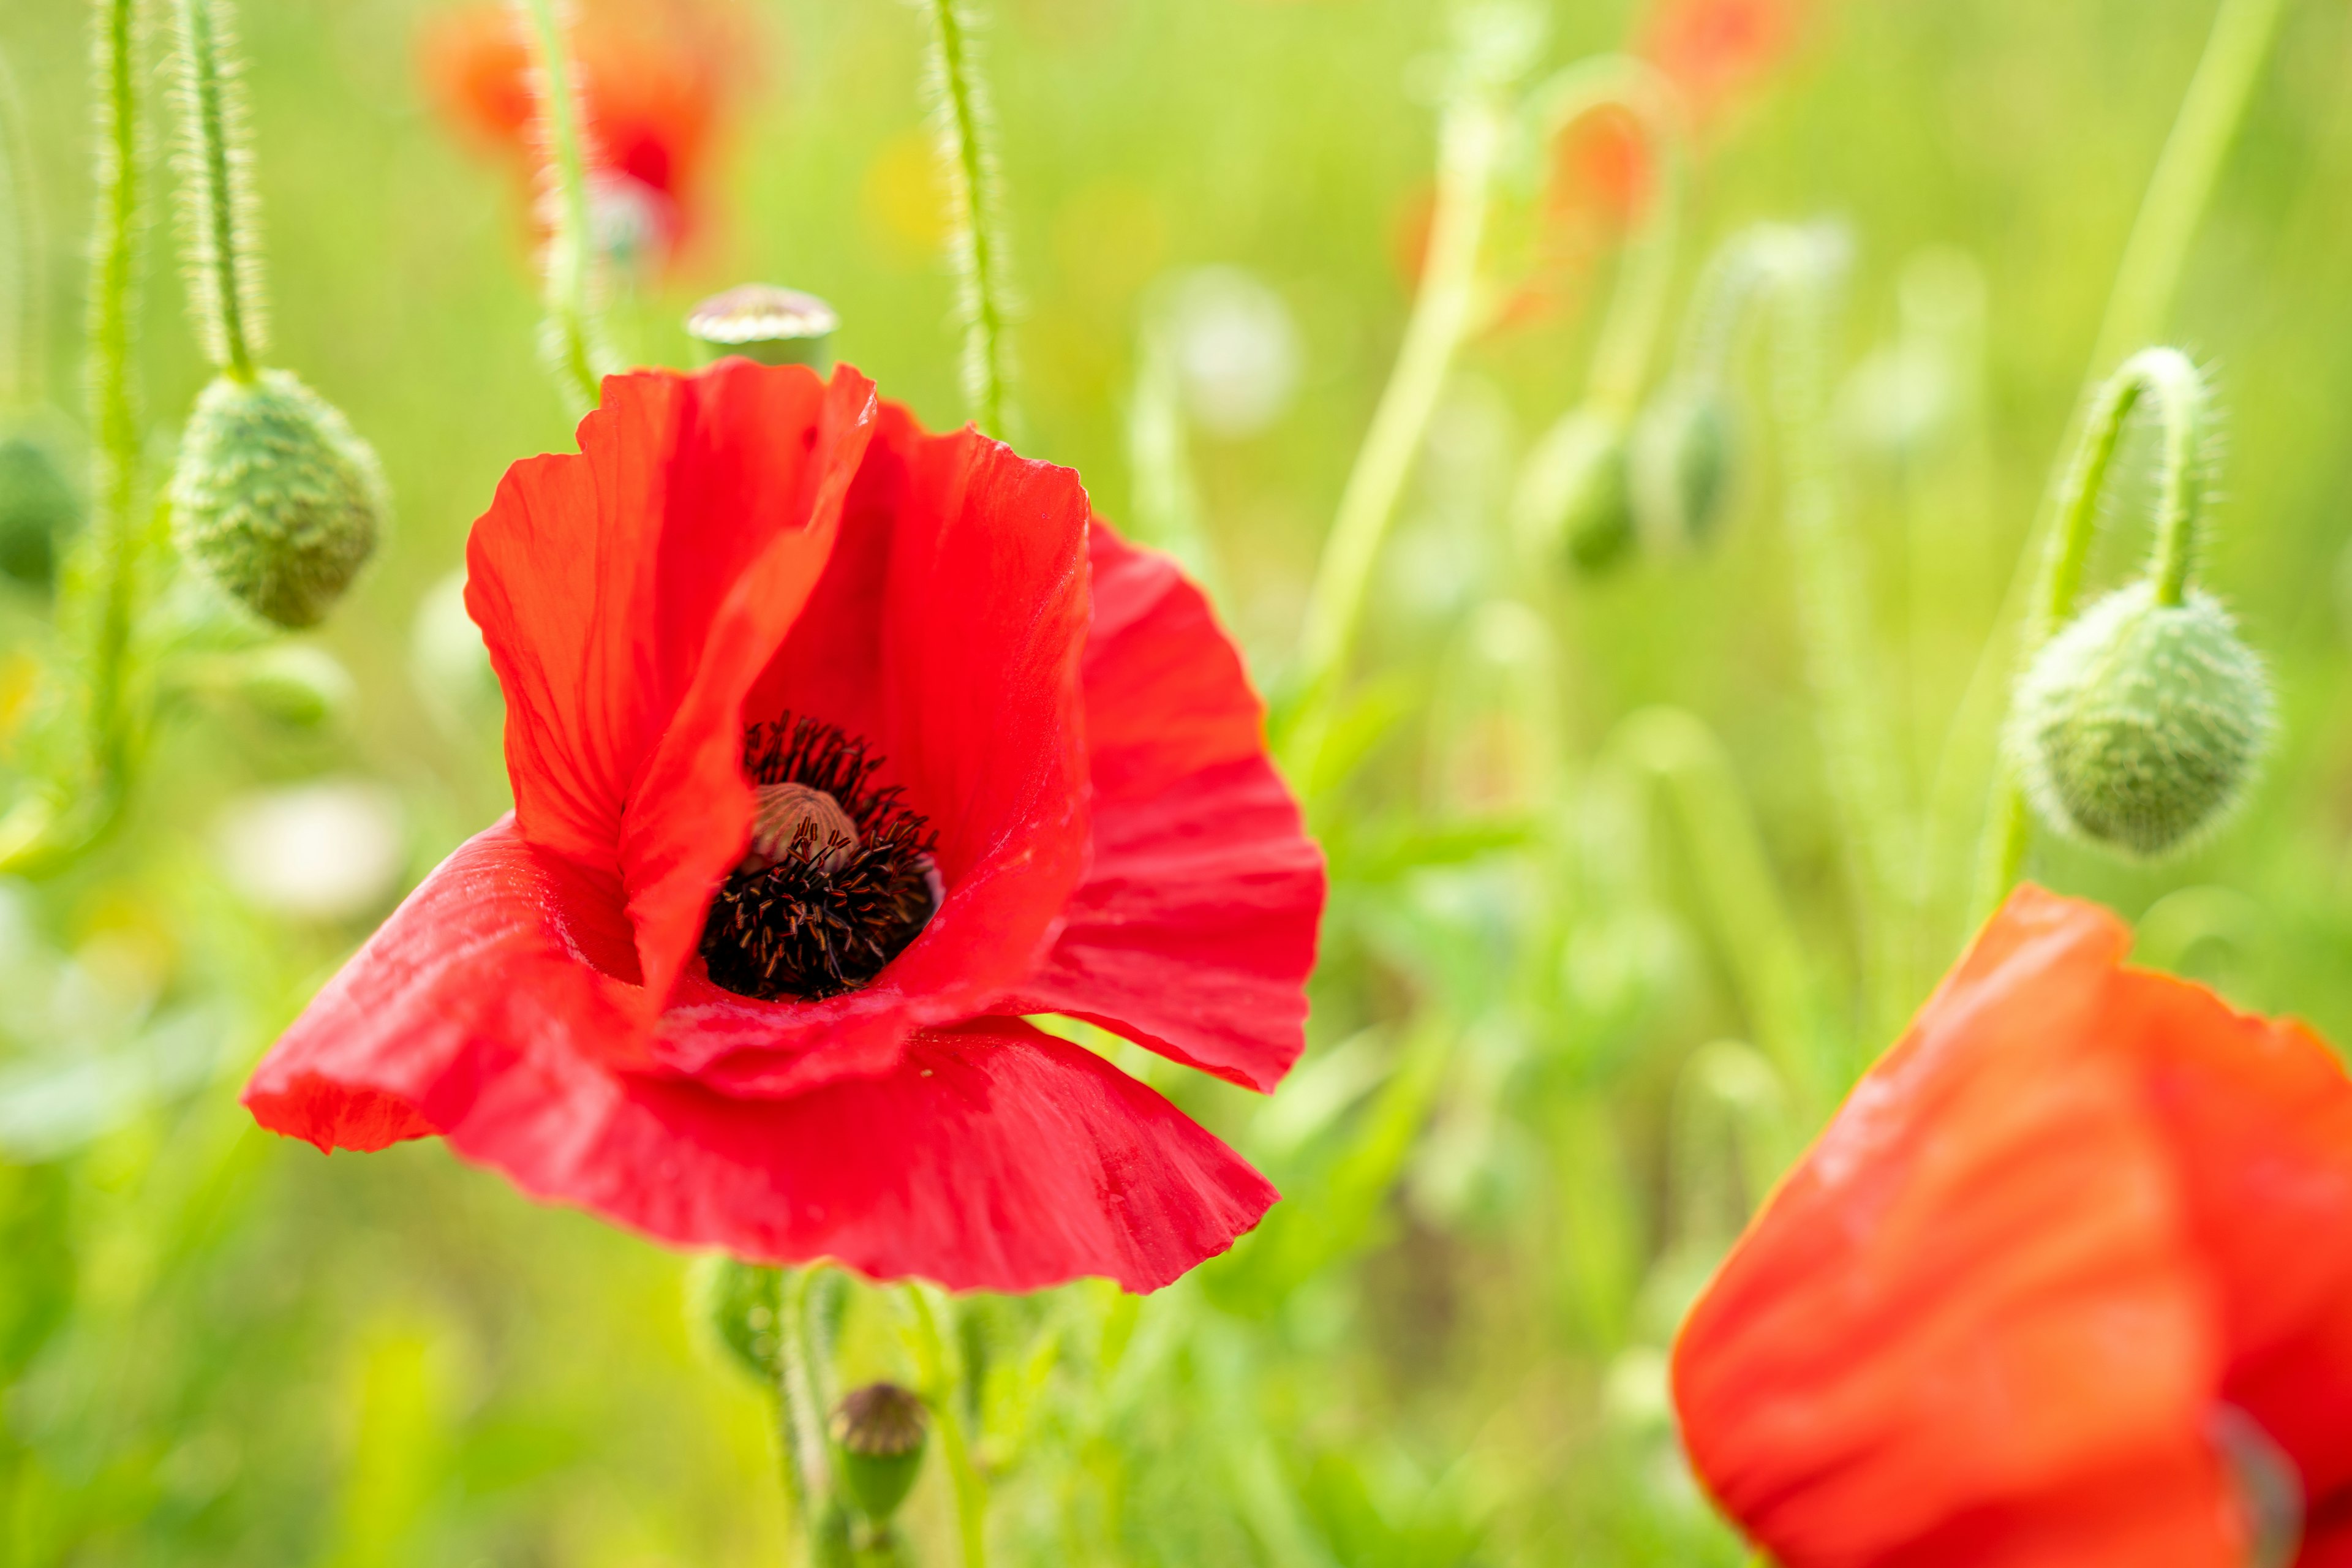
{"x":447,"y":661}
{"x":1574,"y":492}
{"x":275,"y":498}
{"x":299,"y":687}
{"x":877,"y":1440}
{"x":1681,"y":464}
{"x":737,"y":1304}
{"x":39,"y":505}
{"x":763,"y":322}
{"x":2139,"y":725}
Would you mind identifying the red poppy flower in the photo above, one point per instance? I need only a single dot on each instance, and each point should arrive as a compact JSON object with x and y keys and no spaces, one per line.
{"x":836,"y":747}
{"x":655,"y":79}
{"x":1711,"y":49}
{"x":2071,"y":1268}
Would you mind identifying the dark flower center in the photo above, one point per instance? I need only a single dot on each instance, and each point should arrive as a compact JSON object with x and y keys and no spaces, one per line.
{"x":838,"y":877}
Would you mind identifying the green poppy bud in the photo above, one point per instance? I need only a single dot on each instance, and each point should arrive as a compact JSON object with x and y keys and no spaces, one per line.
{"x":276,"y":500}
{"x":737,"y":1304}
{"x":1681,"y":464}
{"x":298,"y":686}
{"x":2140,"y":724}
{"x":39,"y":505}
{"x":877,"y":1442}
{"x":448,"y":662}
{"x":763,"y":322}
{"x":1574,"y":492}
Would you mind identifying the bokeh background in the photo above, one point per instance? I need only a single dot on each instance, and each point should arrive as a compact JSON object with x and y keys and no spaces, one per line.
{"x":1523,"y":1129}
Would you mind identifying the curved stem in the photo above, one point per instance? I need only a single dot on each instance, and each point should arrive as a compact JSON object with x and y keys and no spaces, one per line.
{"x":1470,"y":140}
{"x":1637,"y":305}
{"x":220,"y":254}
{"x":935,"y":1366}
{"x":975,"y":239}
{"x":573,"y":338}
{"x":2147,"y":278}
{"x":2171,"y":380}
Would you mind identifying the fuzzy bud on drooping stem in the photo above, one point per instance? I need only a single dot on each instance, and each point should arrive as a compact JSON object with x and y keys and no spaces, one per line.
{"x":275,"y":498}
{"x":2138,"y":725}
{"x":1573,"y":494}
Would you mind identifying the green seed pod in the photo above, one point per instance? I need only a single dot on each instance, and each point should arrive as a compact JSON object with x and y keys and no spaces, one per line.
{"x":40,"y":507}
{"x":1574,"y":492}
{"x":877,"y":1446}
{"x":276,"y":499}
{"x":2138,"y":726}
{"x":736,"y":1304}
{"x":763,"y":322}
{"x":1681,"y":459}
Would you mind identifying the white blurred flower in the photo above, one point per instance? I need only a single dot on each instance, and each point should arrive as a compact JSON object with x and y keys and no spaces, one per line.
{"x":1237,"y":348}
{"x":326,"y":850}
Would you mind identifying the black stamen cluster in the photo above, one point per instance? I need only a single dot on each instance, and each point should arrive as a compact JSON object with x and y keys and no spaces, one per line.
{"x":795,"y":929}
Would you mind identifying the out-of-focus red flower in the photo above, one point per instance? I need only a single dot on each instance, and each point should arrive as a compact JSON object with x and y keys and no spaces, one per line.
{"x":2071,"y":1267}
{"x":889,"y":733}
{"x":1711,"y":49}
{"x":657,"y":80}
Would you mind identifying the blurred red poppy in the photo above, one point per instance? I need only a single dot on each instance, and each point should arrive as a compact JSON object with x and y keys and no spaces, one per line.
{"x":657,"y":80}
{"x":2068,"y":1281}
{"x":836,"y":747}
{"x":1711,"y":49}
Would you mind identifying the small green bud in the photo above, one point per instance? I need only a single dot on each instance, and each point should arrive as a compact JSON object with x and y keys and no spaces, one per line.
{"x":877,"y":1443}
{"x":738,"y":1305}
{"x":763,"y":322}
{"x":275,"y":498}
{"x":39,"y":506}
{"x":299,"y":687}
{"x":2140,"y":724}
{"x":1574,"y":492}
{"x":1681,"y":459}
{"x":448,"y":662}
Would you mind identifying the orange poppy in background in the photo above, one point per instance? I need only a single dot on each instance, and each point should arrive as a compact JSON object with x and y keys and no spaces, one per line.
{"x":1711,"y":49}
{"x":2067,"y":1283}
{"x":658,"y":80}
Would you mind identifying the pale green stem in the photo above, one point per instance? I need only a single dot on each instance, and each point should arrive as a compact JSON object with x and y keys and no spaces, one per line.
{"x":1470,"y":138}
{"x":800,"y":1420}
{"x":114,"y":396}
{"x":937,"y":1366}
{"x":574,"y":340}
{"x":975,"y":238}
{"x":21,"y":344}
{"x":2146,"y":280}
{"x":1858,"y":740}
{"x":220,"y":258}
{"x":1637,"y":306}
{"x":2168,"y":378}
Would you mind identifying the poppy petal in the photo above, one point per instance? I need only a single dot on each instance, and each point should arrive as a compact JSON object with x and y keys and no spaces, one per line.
{"x":1195,"y":928}
{"x":1971,"y":1327}
{"x":2259,"y":1115}
{"x":504,"y":941}
{"x":945,"y":632}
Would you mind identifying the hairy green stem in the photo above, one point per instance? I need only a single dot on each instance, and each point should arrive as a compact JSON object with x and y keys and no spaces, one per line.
{"x":976,"y":247}
{"x":1637,"y":305}
{"x":573,"y":336}
{"x":2146,"y":280}
{"x":2172,"y":381}
{"x":936,"y":1365}
{"x":1470,"y":140}
{"x":223,"y":271}
{"x":800,"y":1422}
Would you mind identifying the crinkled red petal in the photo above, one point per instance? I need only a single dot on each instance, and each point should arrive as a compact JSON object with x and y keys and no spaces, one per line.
{"x":945,"y":632}
{"x":1973,"y":1327}
{"x":988,"y":1157}
{"x":1195,"y":929}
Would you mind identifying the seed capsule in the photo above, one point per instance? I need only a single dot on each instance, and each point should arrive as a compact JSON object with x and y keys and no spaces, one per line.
{"x":1681,"y":465}
{"x":1574,"y":491}
{"x":761,"y":322}
{"x":2140,"y":725}
{"x":276,"y":499}
{"x":877,"y":1442}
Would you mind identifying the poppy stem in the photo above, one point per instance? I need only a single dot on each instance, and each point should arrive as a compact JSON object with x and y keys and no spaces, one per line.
{"x":2172,"y":381}
{"x":571,"y":339}
{"x":976,"y":245}
{"x":1471,"y":137}
{"x":1637,"y":303}
{"x":223,"y":265}
{"x":935,"y":1366}
{"x":800,"y":1410}
{"x":20,"y":256}
{"x":2146,"y":280}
